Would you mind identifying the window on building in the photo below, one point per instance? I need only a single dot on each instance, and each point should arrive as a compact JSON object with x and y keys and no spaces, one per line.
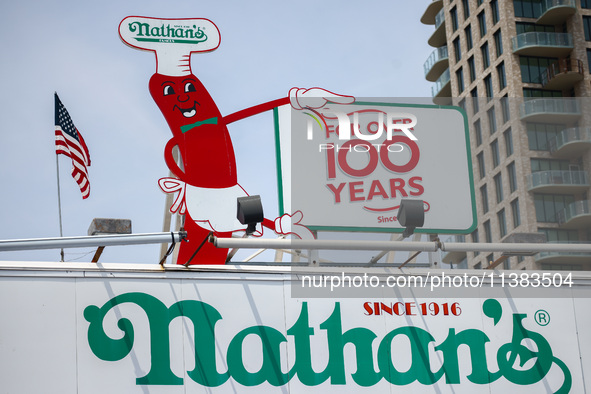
{"x":502,"y":223}
{"x":558,"y":235}
{"x":587,"y":27}
{"x":586,"y":4}
{"x":453,"y":13}
{"x":479,"y":2}
{"x":466,"y":9}
{"x":498,"y":42}
{"x":462,"y":104}
{"x":530,"y":27}
{"x":498,"y":187}
{"x":562,"y":267}
{"x":501,"y":75}
{"x":488,"y":87}
{"x":474,"y":94}
{"x":457,"y":49}
{"x":468,"y":33}
{"x":492,"y":120}
{"x":512,"y":174}
{"x":494,"y":10}
{"x":505,"y":109}
{"x":482,"y":24}
{"x":527,"y":8}
{"x":487,"y":233}
{"x":494,"y":149}
{"x":548,"y":206}
{"x":475,"y":240}
{"x":472,"y":69}
{"x":460,"y":79}
{"x":508,"y":142}
{"x":481,"y":168}
{"x":515,"y":213}
{"x":485,"y":56}
{"x":532,"y":68}
{"x":484,"y":198}
{"x":541,"y":93}
{"x":538,"y":165}
{"x":589,"y":56}
{"x":478,"y":132}
{"x":541,"y":135}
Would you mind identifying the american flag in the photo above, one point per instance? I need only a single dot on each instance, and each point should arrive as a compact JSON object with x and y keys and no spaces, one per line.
{"x":69,"y":142}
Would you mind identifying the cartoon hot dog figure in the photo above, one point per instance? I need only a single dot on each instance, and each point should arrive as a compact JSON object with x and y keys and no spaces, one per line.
{"x":206,"y":181}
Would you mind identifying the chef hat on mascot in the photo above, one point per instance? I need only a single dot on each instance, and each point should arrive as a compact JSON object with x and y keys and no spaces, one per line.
{"x":172,"y":40}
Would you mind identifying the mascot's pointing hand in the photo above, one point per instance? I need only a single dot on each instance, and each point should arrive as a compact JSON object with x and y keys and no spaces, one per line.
{"x":301,"y":98}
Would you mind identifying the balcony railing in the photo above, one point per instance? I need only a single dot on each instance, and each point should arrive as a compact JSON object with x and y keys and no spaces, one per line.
{"x":550,"y":109}
{"x":437,"y":58}
{"x":439,"y":18}
{"x":563,"y":74}
{"x":555,"y":12}
{"x":571,"y":136}
{"x":439,"y":89}
{"x":577,"y":209}
{"x":543,"y":43}
{"x":555,"y":179}
{"x":438,"y":38}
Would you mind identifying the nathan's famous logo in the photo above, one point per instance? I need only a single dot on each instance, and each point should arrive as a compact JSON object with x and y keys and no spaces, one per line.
{"x":205,"y":317}
{"x":171,"y":34}
{"x":358,"y":146}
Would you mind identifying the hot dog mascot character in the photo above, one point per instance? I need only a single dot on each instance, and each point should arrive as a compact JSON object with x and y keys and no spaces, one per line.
{"x":206,"y":181}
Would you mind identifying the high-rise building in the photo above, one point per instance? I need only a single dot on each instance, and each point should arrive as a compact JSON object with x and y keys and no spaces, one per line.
{"x":521,"y":70}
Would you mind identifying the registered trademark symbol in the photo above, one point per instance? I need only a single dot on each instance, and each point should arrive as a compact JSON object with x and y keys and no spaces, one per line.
{"x":542,"y":317}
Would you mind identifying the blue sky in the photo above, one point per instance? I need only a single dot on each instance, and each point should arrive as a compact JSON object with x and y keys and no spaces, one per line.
{"x":370,"y":49}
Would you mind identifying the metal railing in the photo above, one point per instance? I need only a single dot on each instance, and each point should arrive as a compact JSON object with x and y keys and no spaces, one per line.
{"x":556,"y":178}
{"x":549,"y":4}
{"x":540,"y":106}
{"x":436,"y":56}
{"x":440,"y":84}
{"x":571,"y":249}
{"x":567,"y":136}
{"x":439,"y":18}
{"x":562,"y":66}
{"x":573,"y":210}
{"x":532,"y":39}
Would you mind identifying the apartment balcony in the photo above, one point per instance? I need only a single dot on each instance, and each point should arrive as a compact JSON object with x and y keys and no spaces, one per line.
{"x":564,"y":257}
{"x":442,"y":87}
{"x":543,"y":44}
{"x":550,"y":110}
{"x":438,"y":38}
{"x":565,"y":182}
{"x":571,"y":142}
{"x":556,"y":12}
{"x":436,"y":64}
{"x":431,"y":12}
{"x":563,"y":74}
{"x":454,"y":257}
{"x":576,"y":215}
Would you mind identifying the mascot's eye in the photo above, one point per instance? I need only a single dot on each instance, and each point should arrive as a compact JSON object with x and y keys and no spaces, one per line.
{"x":168,"y":90}
{"x":189,"y":87}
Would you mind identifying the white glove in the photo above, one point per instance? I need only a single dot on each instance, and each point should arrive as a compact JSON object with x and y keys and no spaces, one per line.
{"x":301,"y":98}
{"x":290,"y":224}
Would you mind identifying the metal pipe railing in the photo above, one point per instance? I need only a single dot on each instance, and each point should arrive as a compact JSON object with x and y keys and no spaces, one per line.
{"x":298,"y":244}
{"x":90,"y":241}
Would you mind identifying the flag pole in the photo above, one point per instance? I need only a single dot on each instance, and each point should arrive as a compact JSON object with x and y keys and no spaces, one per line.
{"x":59,"y":203}
{"x":59,"y":200}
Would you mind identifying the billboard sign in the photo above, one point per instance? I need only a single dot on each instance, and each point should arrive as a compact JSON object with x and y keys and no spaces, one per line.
{"x":113,"y":331}
{"x":347,"y":167}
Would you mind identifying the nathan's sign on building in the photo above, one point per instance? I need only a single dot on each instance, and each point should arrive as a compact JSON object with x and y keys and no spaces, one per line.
{"x":349,"y":166}
{"x":128,"y":330}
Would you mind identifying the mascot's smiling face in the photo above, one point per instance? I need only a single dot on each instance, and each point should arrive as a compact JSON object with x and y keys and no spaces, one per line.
{"x":183,"y":100}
